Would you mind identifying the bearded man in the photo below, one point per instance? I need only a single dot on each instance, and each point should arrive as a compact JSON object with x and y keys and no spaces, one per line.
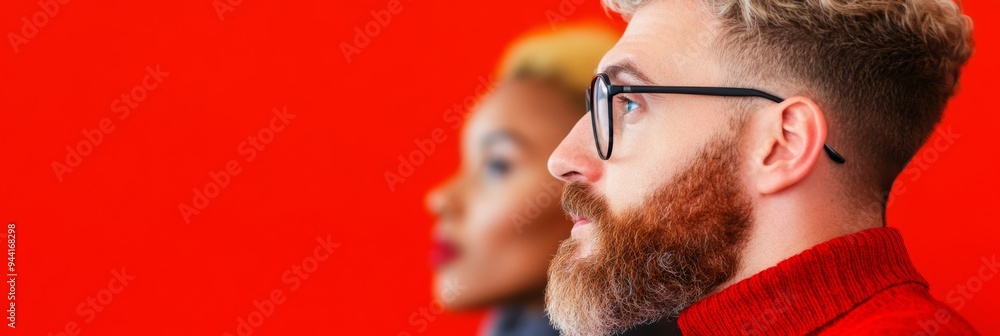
{"x":737,"y":143}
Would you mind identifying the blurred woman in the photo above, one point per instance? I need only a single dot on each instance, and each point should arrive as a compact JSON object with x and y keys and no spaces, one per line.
{"x":499,"y":219}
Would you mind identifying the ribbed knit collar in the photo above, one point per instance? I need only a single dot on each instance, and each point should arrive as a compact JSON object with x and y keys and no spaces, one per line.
{"x":807,"y":291}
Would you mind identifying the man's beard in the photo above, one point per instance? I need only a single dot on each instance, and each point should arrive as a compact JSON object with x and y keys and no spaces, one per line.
{"x":654,"y":260}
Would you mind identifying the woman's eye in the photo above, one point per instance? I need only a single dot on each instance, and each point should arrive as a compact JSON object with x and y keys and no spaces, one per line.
{"x":497,"y":168}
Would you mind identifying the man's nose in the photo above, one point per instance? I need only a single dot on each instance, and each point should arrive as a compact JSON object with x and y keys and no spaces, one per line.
{"x":576,"y":160}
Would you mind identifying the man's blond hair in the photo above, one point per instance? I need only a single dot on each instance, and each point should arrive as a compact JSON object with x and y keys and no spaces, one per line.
{"x":883,"y":69}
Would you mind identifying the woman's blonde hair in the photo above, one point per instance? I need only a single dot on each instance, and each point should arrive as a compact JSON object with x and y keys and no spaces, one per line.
{"x":567,"y":56}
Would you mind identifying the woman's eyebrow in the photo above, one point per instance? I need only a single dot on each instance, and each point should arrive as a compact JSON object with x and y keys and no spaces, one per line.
{"x":502,"y":136}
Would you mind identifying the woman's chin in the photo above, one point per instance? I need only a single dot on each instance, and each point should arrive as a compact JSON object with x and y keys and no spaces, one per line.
{"x":460,"y":304}
{"x":453,"y":294}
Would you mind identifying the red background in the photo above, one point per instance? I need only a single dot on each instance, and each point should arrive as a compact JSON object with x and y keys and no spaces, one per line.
{"x":323,"y":174}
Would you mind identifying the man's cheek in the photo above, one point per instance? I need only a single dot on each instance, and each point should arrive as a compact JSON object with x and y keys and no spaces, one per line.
{"x":627,"y":192}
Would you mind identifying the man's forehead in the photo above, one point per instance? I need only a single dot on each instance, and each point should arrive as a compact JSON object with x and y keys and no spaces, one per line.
{"x":661,"y":38}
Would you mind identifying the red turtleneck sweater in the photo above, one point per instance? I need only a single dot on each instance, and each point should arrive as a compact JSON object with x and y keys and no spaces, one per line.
{"x":858,"y":284}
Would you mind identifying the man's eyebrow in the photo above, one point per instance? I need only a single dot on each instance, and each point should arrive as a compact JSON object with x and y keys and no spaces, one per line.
{"x":627,"y":68}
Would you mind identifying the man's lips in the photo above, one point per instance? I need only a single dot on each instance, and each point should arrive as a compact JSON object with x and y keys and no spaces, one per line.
{"x":579,"y":224}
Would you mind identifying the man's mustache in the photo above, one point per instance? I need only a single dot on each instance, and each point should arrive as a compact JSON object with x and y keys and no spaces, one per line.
{"x":580,"y":199}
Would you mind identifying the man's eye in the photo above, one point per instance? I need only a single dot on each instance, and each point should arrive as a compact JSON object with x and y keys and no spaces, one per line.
{"x":628,"y":104}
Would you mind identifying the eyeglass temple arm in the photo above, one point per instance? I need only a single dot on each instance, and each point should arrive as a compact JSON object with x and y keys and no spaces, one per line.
{"x":713,"y":91}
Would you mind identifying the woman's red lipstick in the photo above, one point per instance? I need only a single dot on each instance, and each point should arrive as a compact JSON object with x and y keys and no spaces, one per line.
{"x":442,"y":253}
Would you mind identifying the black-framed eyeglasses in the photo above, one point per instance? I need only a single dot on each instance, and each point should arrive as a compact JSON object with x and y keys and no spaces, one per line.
{"x":601,"y":92}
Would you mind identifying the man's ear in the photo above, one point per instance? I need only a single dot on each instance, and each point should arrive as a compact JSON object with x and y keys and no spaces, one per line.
{"x":787,"y":140}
